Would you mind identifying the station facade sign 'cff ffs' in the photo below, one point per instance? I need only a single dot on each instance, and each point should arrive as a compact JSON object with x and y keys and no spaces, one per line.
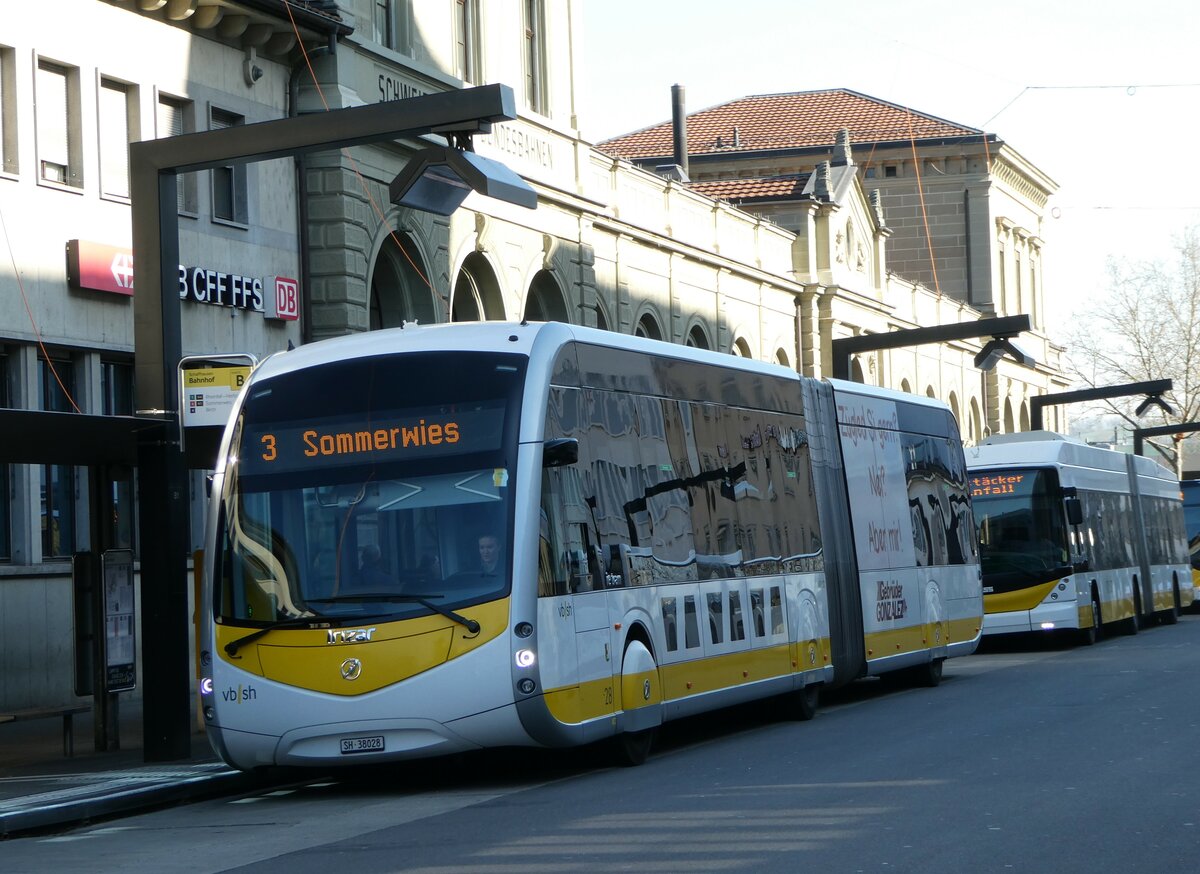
{"x":100,"y":267}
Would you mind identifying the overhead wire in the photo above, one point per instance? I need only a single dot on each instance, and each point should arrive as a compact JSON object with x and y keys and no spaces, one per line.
{"x":32,"y":320}
{"x":912,"y":138}
{"x":346,"y":152}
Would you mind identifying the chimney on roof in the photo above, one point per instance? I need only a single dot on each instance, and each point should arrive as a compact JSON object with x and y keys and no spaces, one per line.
{"x":679,"y":127}
{"x":737,"y":137}
{"x":841,"y":149}
{"x":822,"y":183}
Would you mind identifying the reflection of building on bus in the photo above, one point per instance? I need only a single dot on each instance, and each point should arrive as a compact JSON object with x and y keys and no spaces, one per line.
{"x":1190,"y":488}
{"x":1074,"y":536}
{"x":677,"y":530}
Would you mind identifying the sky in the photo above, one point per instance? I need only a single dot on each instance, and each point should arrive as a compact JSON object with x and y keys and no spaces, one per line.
{"x":1102,"y":96}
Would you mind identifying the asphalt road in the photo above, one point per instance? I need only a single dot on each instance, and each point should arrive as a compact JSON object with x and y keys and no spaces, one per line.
{"x":1028,"y":757}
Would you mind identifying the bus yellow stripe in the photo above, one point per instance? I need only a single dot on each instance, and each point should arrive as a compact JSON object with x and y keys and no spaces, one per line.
{"x":1021,"y":599}
{"x":593,"y":699}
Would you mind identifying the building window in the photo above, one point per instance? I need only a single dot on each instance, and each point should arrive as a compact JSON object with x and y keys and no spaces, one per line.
{"x":535,"y":55}
{"x":1017,"y":284}
{"x":57,"y":480}
{"x":1003,"y":281}
{"x":8,"y":111}
{"x":382,"y":31}
{"x":467,"y":55}
{"x":58,"y":141}
{"x":405,"y":29}
{"x":228,"y":183}
{"x":116,"y":390}
{"x":889,"y":171}
{"x":175,"y":117}
{"x":118,"y":127}
{"x":5,"y":475}
{"x":116,"y":387}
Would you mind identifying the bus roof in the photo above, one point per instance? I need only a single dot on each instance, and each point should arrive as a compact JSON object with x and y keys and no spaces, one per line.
{"x":1047,"y":448}
{"x":516,"y":337}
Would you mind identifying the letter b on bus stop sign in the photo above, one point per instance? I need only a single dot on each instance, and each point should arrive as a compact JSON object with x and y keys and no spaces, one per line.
{"x":285,"y":302}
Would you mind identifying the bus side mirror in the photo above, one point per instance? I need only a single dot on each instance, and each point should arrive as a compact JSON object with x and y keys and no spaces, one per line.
{"x":1074,"y":511}
{"x":560,"y":451}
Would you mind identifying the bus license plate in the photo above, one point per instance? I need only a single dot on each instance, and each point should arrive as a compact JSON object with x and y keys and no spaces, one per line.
{"x":373,"y":744}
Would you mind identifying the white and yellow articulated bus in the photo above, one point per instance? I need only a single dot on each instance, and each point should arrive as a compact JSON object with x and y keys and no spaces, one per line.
{"x":1074,"y":536}
{"x":436,"y":539}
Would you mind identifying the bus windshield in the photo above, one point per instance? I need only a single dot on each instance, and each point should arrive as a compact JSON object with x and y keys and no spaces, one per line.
{"x":1022,"y":526}
{"x":1191,"y":518}
{"x":376,"y":486}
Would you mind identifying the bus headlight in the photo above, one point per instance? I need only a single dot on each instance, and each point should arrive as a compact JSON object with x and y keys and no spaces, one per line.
{"x":527,"y":686}
{"x":206,"y":686}
{"x":525,"y":658}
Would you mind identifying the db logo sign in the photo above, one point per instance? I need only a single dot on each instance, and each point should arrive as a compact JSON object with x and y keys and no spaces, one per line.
{"x":285,"y":302}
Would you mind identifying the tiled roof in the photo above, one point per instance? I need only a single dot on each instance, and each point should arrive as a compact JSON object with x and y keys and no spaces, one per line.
{"x":787,"y":121}
{"x":742,"y":190}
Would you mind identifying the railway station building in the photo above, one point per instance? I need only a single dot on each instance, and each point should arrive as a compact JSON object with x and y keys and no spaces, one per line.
{"x":764,"y":254}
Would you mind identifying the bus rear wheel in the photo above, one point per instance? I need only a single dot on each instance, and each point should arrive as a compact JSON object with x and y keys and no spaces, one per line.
{"x":928,"y":674}
{"x":1133,"y":624}
{"x":802,"y":705}
{"x":1171,"y":615}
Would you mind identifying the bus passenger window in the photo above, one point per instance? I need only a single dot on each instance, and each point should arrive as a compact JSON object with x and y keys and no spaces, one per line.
{"x":668,"y":612}
{"x":756,"y":610}
{"x":691,"y":626}
{"x":716,"y":617}
{"x":776,"y":611}
{"x":737,"y":630}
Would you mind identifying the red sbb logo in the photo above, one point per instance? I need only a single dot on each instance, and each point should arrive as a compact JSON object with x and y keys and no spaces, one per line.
{"x":286,"y":300}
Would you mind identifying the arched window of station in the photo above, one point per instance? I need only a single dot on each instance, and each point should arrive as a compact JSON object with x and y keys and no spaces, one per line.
{"x":1024,"y":415}
{"x":974,"y":423}
{"x":906,"y":386}
{"x":929,"y":392}
{"x":741,"y":348}
{"x":477,"y":294}
{"x":647,"y":326}
{"x":856,"y":372}
{"x":697,"y":339}
{"x":954,"y":410}
{"x":781,"y":358}
{"x":1010,"y":425}
{"x":545,"y":301}
{"x":400,"y":290}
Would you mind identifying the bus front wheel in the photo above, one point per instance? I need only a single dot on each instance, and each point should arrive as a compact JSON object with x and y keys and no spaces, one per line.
{"x":632,"y":748}
{"x":1088,"y":636}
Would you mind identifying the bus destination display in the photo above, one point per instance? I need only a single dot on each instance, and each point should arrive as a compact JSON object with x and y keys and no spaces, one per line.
{"x":987,"y":485}
{"x":402,"y":436}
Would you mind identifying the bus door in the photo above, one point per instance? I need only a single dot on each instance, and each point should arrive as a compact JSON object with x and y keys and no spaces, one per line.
{"x":1141,"y":548}
{"x":594,"y":649}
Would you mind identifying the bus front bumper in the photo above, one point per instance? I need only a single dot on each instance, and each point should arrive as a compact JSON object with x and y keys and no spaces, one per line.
{"x":1047,"y":616}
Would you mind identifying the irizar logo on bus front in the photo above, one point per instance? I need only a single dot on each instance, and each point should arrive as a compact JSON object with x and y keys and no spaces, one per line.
{"x":350,"y":635}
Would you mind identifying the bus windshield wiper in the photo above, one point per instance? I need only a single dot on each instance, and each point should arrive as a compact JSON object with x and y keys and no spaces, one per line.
{"x":317,"y":619}
{"x":424,"y":600}
{"x":296,"y":622}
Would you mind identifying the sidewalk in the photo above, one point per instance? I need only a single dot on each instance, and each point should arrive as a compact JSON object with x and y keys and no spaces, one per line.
{"x":43,"y":790}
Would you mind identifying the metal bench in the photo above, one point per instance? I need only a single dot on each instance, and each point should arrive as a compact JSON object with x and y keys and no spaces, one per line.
{"x":67,"y":712}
